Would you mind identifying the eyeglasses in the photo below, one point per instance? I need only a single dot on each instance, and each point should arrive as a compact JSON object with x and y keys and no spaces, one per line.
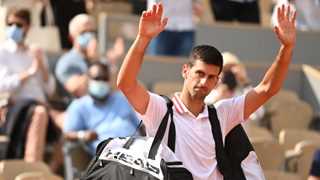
{"x":100,"y":78}
{"x":20,"y":25}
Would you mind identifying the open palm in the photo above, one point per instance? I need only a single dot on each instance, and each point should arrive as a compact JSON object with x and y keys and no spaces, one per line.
{"x":151,"y":22}
{"x":286,"y":30}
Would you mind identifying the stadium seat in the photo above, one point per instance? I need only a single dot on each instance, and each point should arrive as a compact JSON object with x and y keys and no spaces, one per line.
{"x":167,"y":87}
{"x":301,"y":158}
{"x":76,"y":159}
{"x":279,"y":175}
{"x":270,"y":154}
{"x":290,"y":114}
{"x":10,"y":169}
{"x":37,"y":176}
{"x":288,"y":138}
{"x":257,"y":133}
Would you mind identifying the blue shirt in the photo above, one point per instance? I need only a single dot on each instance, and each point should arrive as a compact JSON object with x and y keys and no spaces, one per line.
{"x":71,"y":63}
{"x":315,"y":167}
{"x":114,"y":118}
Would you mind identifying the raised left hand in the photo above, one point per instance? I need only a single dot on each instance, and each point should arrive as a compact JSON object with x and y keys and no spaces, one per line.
{"x":286,"y":29}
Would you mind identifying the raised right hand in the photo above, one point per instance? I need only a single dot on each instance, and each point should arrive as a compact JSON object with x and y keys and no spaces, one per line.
{"x":151,"y":22}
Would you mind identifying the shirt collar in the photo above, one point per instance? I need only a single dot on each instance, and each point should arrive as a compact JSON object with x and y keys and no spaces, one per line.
{"x":182,"y":109}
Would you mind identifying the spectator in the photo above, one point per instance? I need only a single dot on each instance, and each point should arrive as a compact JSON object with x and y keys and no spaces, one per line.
{"x":226,"y":89}
{"x":246,"y":11}
{"x":308,"y":13}
{"x":101,"y":114}
{"x":195,"y":145}
{"x":315,"y":167}
{"x":72,"y":67}
{"x":24,"y":76}
{"x":178,"y":37}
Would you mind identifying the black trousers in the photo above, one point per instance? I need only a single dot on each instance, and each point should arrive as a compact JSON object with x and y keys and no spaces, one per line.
{"x":225,"y":10}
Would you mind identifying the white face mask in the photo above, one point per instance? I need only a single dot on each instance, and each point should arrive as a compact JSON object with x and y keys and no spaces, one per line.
{"x":99,"y":89}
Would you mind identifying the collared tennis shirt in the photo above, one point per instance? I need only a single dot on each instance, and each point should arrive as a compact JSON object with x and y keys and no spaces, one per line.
{"x":195,"y":145}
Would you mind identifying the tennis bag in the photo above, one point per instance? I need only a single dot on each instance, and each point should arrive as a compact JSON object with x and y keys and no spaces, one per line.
{"x":137,"y":158}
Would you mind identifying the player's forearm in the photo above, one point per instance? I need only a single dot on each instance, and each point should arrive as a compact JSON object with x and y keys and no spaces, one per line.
{"x":276,"y":74}
{"x":130,"y":67}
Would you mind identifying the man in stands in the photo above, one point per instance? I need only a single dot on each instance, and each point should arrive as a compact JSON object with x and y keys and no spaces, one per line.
{"x":72,"y":67}
{"x":25,"y":77}
{"x":101,"y":114}
{"x":195,"y":146}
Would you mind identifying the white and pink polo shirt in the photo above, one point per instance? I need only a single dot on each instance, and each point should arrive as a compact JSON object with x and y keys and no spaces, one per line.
{"x":195,"y":146}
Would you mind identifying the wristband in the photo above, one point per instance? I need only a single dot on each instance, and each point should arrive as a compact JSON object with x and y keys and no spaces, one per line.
{"x":81,"y":135}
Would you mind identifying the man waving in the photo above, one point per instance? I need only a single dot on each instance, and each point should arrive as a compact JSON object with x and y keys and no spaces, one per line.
{"x":195,"y":146}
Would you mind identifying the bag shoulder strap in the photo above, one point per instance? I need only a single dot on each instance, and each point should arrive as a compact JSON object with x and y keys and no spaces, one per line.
{"x":222,"y":159}
{"x":172,"y":128}
{"x":160,"y":132}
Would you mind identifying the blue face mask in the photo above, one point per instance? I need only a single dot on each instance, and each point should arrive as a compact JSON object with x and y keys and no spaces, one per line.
{"x":99,"y":89}
{"x":84,"y":39}
{"x":15,"y":33}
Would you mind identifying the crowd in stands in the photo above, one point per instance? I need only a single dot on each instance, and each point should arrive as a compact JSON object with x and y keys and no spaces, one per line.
{"x":95,"y":110}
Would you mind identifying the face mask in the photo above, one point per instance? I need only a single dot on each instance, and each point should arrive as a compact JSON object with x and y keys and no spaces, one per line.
{"x":15,"y":33}
{"x":99,"y":89}
{"x":84,"y":39}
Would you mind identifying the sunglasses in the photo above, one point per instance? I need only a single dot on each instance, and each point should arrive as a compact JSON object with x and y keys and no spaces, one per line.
{"x":100,"y":78}
{"x":20,"y":25}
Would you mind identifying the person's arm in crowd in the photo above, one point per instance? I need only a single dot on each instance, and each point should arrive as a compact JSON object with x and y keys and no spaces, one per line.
{"x":38,"y":55}
{"x":42,"y":60}
{"x":276,"y":74}
{"x":10,"y":82}
{"x":113,"y":54}
{"x":150,"y":25}
{"x":74,"y":125}
{"x":85,"y":136}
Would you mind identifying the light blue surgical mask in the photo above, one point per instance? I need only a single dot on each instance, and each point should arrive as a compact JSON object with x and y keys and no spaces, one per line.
{"x":99,"y":89}
{"x":15,"y":33}
{"x":84,"y":39}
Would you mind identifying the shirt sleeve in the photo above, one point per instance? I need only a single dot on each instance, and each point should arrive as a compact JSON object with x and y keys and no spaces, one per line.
{"x":230,"y":112}
{"x":8,"y":83}
{"x":154,"y":114}
{"x":74,"y":120}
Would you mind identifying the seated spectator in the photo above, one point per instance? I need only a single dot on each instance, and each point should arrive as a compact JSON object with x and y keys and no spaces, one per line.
{"x":233,"y":67}
{"x":72,"y":67}
{"x":246,"y":11}
{"x":308,"y":13}
{"x":25,"y":77}
{"x":101,"y":114}
{"x":315,"y":167}
{"x":227,"y":87}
